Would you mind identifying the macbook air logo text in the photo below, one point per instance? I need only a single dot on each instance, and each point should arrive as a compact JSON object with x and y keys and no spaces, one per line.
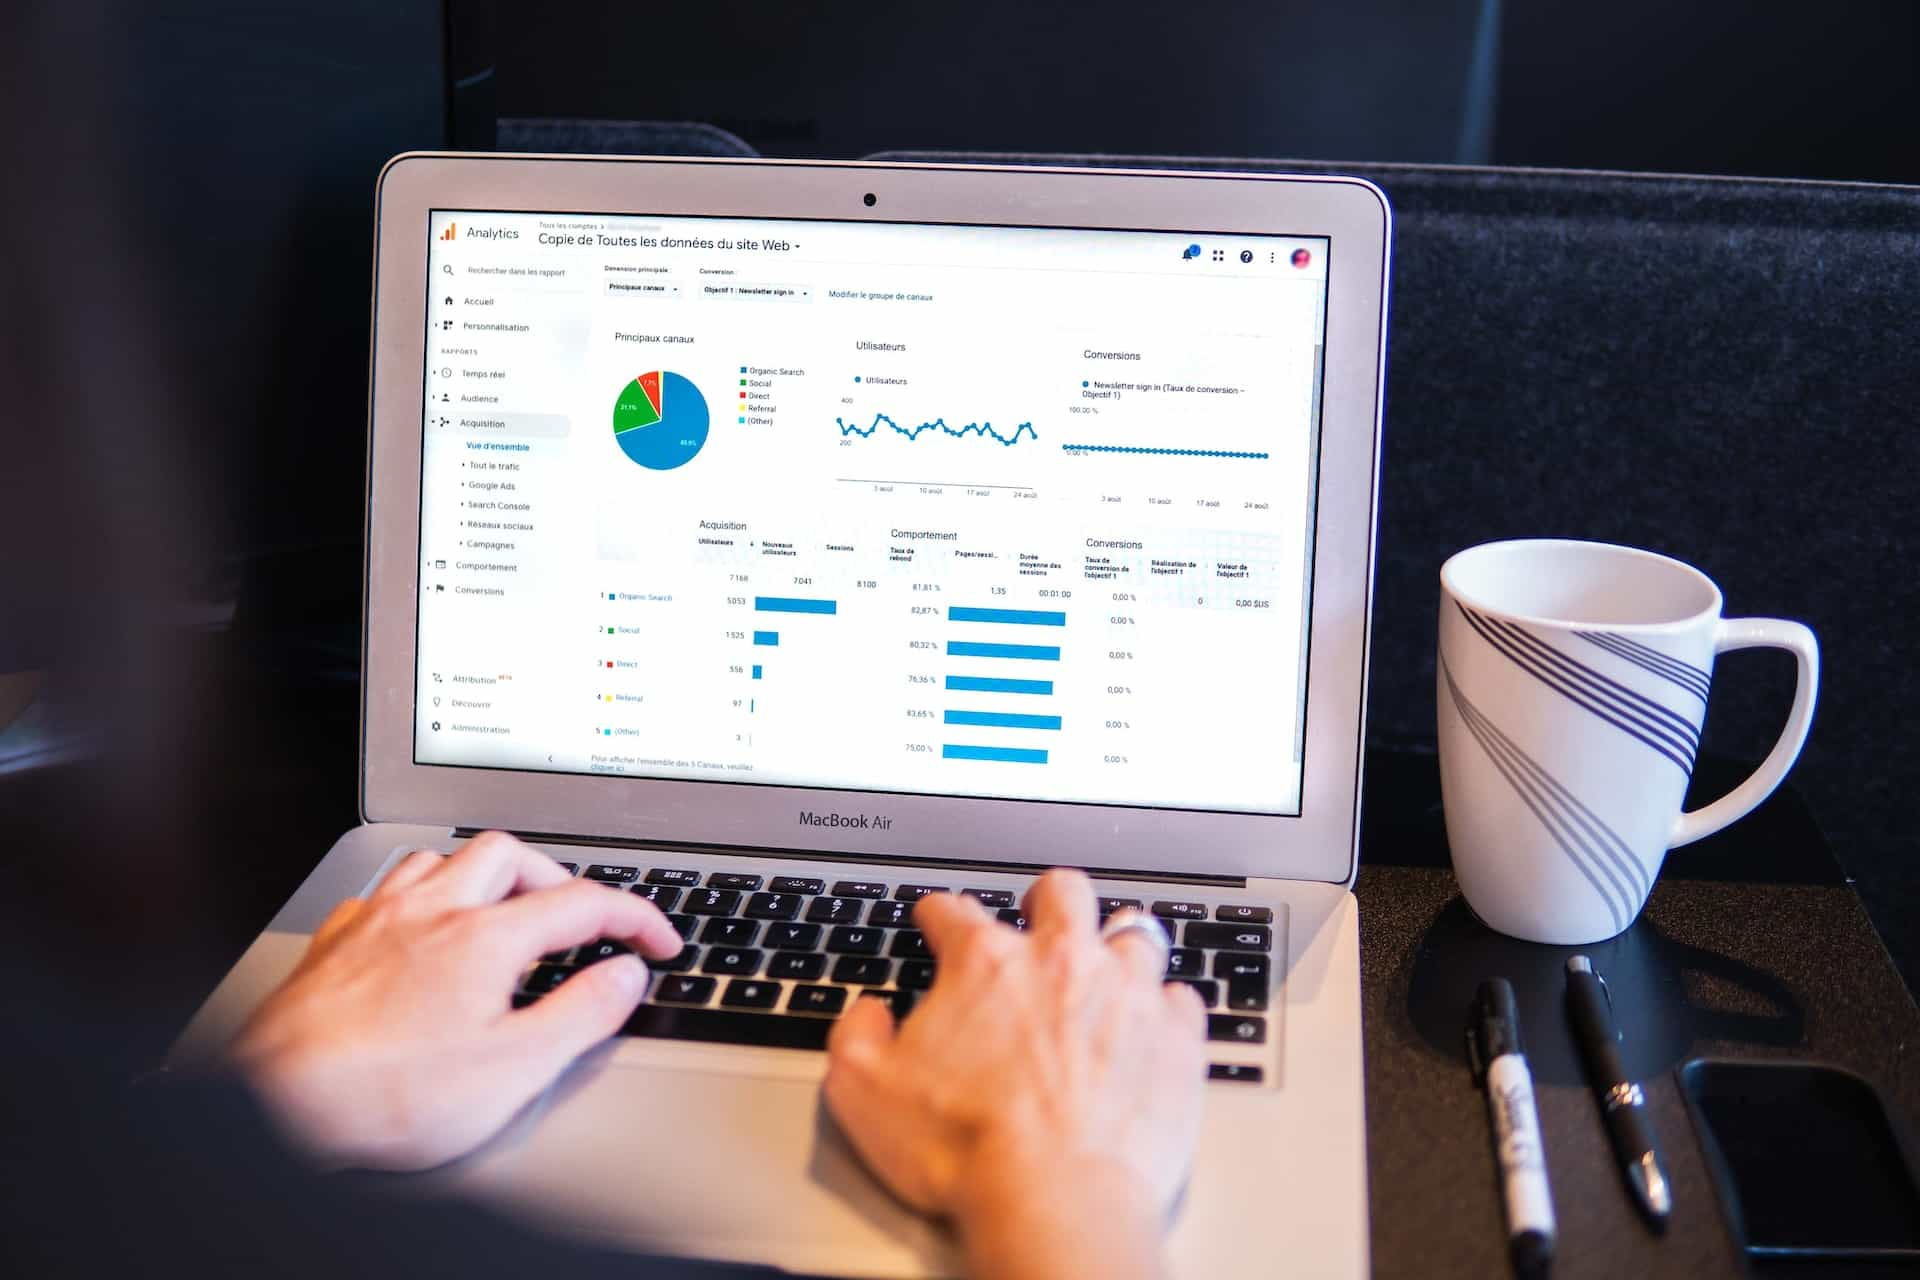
{"x":862,"y":821}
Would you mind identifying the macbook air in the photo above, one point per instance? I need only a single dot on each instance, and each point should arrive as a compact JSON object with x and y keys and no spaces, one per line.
{"x":784,"y":541}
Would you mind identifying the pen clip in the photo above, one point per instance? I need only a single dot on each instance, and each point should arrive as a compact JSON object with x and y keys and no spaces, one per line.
{"x":1605,"y":990}
{"x":1474,"y":1061}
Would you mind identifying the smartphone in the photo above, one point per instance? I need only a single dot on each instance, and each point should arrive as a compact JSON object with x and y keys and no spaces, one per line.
{"x":1809,"y":1164}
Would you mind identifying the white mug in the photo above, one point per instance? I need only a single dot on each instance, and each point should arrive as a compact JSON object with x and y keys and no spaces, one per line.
{"x":1573,"y":680}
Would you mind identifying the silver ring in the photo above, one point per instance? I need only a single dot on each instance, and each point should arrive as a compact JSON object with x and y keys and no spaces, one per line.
{"x":1127,"y":920}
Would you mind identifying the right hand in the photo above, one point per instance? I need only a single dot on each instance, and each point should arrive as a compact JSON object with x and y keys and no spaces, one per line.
{"x":1041,"y":1066}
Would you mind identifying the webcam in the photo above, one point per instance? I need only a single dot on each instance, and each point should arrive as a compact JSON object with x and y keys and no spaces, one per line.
{"x":870,"y":199}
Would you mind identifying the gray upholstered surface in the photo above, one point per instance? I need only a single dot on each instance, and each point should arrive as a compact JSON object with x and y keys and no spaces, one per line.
{"x":1721,"y":369}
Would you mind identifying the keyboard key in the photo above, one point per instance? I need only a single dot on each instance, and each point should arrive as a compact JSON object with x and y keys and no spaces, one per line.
{"x":685,"y":924}
{"x":850,"y":941}
{"x":545,"y":977}
{"x":1018,"y":919}
{"x":860,"y":889}
{"x":1186,"y":962}
{"x":604,"y":949}
{"x":1207,"y":989}
{"x":772,"y":906}
{"x":607,"y":873}
{"x":1234,"y":1071}
{"x":806,"y":965}
{"x":676,"y":964}
{"x":713,"y":902}
{"x":1243,"y":915}
{"x":732,"y":932}
{"x":1242,"y":964}
{"x":741,"y":961}
{"x":797,"y":884}
{"x":989,"y":897}
{"x":685,"y":990}
{"x":910,"y":944}
{"x":828,"y":1000}
{"x":667,"y":875}
{"x":1247,"y":995}
{"x":1180,"y":910}
{"x":728,"y":1026}
{"x":1236,"y":1029}
{"x":890,"y":915}
{"x":733,"y":880}
{"x":793,"y":937}
{"x":662,"y":896}
{"x":1110,"y":905}
{"x":834,"y":910}
{"x":1229,"y":937}
{"x":571,"y":868}
{"x":916,"y":975}
{"x":902,"y":1002}
{"x":915,"y":892}
{"x":862,"y":971}
{"x":744,"y":994}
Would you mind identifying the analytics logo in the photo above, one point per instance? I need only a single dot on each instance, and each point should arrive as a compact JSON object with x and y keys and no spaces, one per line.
{"x":450,"y":232}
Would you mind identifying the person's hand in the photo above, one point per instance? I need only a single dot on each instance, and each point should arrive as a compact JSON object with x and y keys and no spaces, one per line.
{"x":394,"y":1044}
{"x":1045,"y":1095}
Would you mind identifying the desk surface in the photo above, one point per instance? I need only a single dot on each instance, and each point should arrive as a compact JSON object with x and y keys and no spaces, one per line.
{"x":1784,"y":966}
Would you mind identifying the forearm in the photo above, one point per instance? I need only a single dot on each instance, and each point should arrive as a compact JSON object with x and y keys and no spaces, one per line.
{"x":1061,"y":1220}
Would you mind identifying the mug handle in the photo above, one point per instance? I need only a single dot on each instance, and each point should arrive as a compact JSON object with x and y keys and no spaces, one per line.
{"x":1760,"y":633}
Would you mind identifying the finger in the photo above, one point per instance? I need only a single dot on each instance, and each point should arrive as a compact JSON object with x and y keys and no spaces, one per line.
{"x":409,"y":871}
{"x":329,"y":930}
{"x":1061,"y":901}
{"x":577,"y":911}
{"x":1186,"y":1010}
{"x":948,"y":918}
{"x":541,"y":1039}
{"x":1142,"y":955}
{"x":858,"y":1042}
{"x":492,"y":866}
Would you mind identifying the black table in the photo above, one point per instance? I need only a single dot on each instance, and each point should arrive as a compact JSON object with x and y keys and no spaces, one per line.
{"x":1752,"y":945}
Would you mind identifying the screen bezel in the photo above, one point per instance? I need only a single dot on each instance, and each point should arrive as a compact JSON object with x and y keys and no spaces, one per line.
{"x":1319,"y":843}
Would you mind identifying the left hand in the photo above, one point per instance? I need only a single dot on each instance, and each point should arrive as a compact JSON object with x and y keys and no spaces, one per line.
{"x":394,"y":1043}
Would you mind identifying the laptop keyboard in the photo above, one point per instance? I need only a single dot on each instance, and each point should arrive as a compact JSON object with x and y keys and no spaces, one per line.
{"x":771,"y":961}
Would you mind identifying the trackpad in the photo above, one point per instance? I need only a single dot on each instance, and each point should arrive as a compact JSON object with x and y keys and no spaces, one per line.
{"x":710,"y":1164}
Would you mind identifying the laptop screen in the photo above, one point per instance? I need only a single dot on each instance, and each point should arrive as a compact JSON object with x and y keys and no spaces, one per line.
{"x":952,"y":510}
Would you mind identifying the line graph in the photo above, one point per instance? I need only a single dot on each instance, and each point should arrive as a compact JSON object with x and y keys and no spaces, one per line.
{"x":984,"y":430}
{"x":1162,"y":452}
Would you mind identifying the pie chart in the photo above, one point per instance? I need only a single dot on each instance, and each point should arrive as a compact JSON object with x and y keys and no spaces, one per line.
{"x":660,"y":421}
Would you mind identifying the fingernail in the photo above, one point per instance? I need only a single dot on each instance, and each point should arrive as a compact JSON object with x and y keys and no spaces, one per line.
{"x":629,"y":974}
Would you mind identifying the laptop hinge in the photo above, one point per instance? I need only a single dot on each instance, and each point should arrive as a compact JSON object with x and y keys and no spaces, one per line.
{"x":867,"y":859}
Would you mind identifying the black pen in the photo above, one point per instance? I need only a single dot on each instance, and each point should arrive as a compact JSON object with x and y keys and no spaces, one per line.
{"x":1622,"y":1104}
{"x":1499,"y":1062}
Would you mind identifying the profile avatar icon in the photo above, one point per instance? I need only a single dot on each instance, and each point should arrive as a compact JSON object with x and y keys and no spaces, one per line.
{"x":1301,"y":258}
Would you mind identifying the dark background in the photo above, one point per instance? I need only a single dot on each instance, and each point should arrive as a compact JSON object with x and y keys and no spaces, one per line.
{"x":204,"y":172}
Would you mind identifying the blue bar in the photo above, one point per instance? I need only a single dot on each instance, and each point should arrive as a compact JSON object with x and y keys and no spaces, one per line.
{"x":1025,"y":617}
{"x":994,"y":684}
{"x":1002,"y":720}
{"x":766,"y":637}
{"x":756,"y":671}
{"x":1010,"y":755}
{"x":790,"y":604}
{"x":983,"y":649}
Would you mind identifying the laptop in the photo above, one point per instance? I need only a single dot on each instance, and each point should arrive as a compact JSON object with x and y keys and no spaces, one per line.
{"x":787,"y":540}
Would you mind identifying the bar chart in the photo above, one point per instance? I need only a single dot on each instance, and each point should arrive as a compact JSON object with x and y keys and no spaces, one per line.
{"x":999,"y":617}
